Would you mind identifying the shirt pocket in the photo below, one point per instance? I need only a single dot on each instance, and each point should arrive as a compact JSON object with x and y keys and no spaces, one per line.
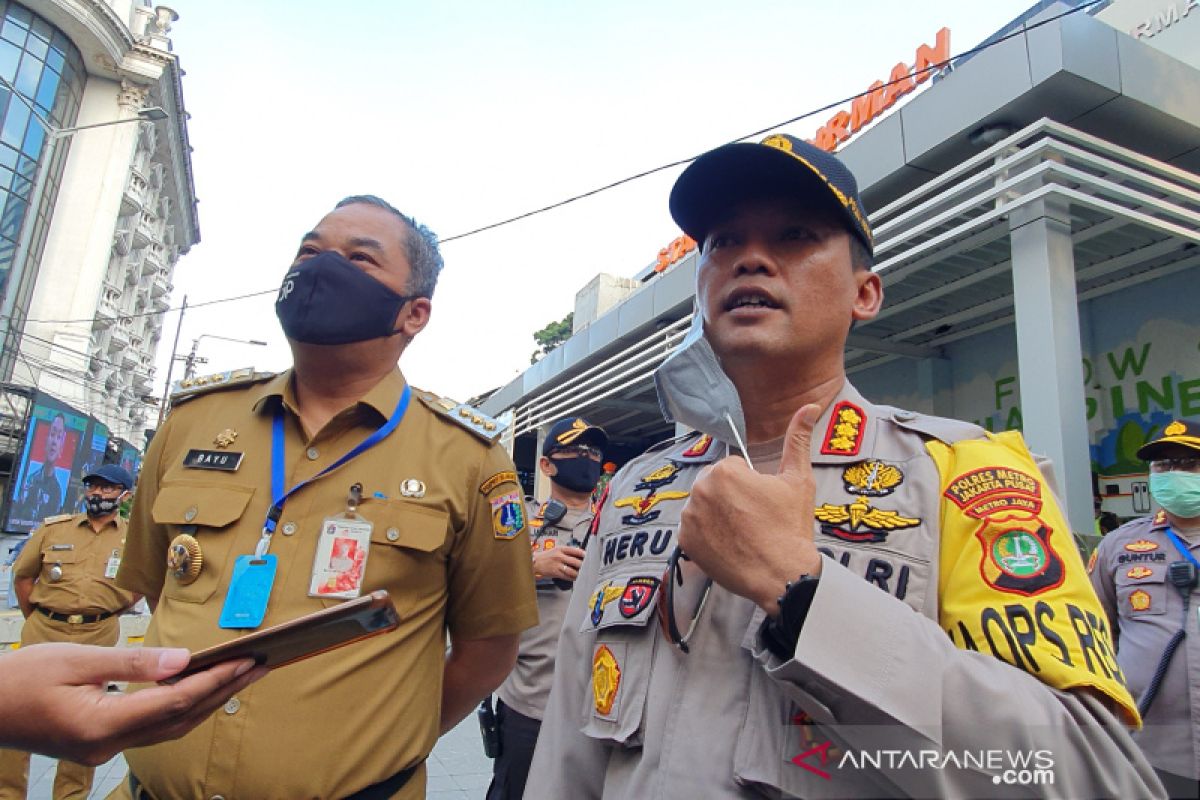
{"x":407,"y":555}
{"x":1140,"y":594}
{"x":69,"y":562}
{"x":204,"y":511}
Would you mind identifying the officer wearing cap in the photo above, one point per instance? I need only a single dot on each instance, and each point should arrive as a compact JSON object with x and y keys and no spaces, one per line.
{"x":256,"y":486}
{"x":571,"y":458}
{"x":810,"y":582}
{"x":1145,"y":575}
{"x":65,"y":585}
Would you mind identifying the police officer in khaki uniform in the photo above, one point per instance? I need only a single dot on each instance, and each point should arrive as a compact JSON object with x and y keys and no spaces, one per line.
{"x":264,"y":499}
{"x":1145,"y":575}
{"x":571,"y":458}
{"x":65,"y":585}
{"x":858,"y":601}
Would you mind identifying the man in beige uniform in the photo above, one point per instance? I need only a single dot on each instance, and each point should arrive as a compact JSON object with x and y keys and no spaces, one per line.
{"x":64,"y":580}
{"x":1145,"y":575}
{"x":571,"y":456}
{"x":433,"y":504}
{"x":890,"y":606}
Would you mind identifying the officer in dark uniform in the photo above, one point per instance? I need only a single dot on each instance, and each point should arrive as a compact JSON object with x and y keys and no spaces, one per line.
{"x":571,"y":457}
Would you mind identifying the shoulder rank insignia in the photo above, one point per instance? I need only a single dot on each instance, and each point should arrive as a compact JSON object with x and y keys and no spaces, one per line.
{"x":469,"y":417}
{"x":699,"y":448}
{"x":847,"y":425}
{"x":1160,"y":518}
{"x":191,"y":387}
{"x":57,"y":518}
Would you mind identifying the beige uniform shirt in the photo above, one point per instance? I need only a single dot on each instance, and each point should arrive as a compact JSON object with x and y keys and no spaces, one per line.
{"x":86,"y":564}
{"x":528,"y":687}
{"x":1145,"y":610}
{"x":448,"y":549}
{"x":875,"y":672}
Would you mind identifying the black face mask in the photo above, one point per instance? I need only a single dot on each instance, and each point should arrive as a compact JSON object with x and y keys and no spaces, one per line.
{"x":98,"y":506}
{"x":577,"y":474}
{"x":328,"y":300}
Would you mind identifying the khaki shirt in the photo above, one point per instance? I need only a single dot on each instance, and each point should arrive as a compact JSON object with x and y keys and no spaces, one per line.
{"x":1145,"y":611}
{"x":334,"y":724}
{"x":84,"y":557}
{"x":528,"y":686}
{"x":876,"y":668}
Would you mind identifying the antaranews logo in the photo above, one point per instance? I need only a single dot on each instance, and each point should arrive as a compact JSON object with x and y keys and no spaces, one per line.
{"x":1007,"y":767}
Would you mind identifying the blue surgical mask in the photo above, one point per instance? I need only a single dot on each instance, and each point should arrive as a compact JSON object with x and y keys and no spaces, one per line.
{"x":1177,"y":492}
{"x":327,"y":300}
{"x":694,"y":390}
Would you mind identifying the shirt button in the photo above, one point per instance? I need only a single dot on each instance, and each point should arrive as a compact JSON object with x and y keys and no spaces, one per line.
{"x":233,"y":705}
{"x":289,"y":529}
{"x":190,"y":514}
{"x":393,"y":534}
{"x":312,"y":453}
{"x":217,"y":797}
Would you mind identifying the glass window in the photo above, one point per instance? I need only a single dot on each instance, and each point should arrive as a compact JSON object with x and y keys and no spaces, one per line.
{"x":10,"y":56}
{"x":55,"y":58}
{"x":37,"y":47}
{"x":8,"y":157}
{"x":42,"y":29}
{"x":27,"y":75}
{"x":17,"y":117}
{"x":35,"y":136}
{"x":47,"y":90}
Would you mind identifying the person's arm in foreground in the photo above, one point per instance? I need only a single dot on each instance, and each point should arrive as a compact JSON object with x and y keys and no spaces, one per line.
{"x":474,"y":668}
{"x":53,"y":698}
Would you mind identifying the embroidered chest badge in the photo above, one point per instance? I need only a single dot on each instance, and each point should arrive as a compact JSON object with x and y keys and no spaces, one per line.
{"x":643,"y":507}
{"x":606,"y":680}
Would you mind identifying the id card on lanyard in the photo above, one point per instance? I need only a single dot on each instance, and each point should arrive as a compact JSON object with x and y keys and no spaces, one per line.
{"x":254,"y":575}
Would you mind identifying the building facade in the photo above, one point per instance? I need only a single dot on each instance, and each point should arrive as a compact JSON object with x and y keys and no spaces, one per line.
{"x":86,"y":278}
{"x":1037,"y":221}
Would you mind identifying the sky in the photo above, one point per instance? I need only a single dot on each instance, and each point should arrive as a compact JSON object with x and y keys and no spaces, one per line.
{"x":466,"y":113}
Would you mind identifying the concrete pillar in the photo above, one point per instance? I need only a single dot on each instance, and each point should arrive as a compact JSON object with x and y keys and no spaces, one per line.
{"x":1049,"y":354}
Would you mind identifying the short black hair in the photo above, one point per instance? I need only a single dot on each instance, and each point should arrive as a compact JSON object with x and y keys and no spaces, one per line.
{"x":421,"y":246}
{"x":860,"y":256}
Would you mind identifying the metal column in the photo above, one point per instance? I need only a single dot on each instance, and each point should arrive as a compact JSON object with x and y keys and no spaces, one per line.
{"x":1049,"y":353}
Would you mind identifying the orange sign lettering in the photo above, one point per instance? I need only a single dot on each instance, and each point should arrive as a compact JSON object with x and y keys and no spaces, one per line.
{"x":883,"y":95}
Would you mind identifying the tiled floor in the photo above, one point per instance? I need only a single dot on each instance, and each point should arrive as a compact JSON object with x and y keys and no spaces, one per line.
{"x":457,"y":769}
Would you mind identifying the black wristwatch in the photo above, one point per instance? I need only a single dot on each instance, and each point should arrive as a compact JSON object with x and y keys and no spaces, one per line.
{"x":781,"y":633}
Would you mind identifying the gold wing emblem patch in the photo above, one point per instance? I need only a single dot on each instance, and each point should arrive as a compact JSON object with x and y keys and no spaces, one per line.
{"x":865,"y":522}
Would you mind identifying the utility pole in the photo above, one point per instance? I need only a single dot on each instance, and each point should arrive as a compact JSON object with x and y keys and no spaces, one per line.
{"x":162,"y":406}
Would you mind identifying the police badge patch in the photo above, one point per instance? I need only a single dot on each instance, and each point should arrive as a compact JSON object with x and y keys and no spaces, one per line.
{"x":508,"y":515}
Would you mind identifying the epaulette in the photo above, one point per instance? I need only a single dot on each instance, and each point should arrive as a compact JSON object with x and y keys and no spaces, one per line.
{"x":469,"y":417}
{"x":191,"y":387}
{"x":57,"y":518}
{"x":943,"y":429}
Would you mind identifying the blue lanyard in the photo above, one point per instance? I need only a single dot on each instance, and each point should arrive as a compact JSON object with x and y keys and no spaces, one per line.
{"x":1182,"y":548}
{"x":280,"y":496}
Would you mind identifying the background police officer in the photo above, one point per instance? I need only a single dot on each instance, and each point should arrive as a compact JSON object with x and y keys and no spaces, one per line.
{"x":65,"y":586}
{"x":1145,"y":575}
{"x":571,"y":457}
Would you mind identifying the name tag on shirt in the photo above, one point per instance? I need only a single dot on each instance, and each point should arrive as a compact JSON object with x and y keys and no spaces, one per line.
{"x":222,"y":460}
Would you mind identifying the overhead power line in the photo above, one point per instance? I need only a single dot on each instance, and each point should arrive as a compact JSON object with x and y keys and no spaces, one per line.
{"x":1025,"y":28}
